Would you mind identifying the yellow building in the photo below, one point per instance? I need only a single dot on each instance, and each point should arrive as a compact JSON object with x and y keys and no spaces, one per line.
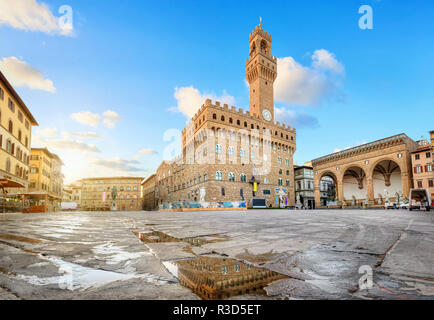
{"x":15,"y":135}
{"x":46,"y":180}
{"x":148,"y":193}
{"x":96,"y":193}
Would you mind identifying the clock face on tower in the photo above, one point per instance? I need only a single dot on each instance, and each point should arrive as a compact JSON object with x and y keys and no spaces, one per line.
{"x":267,"y":115}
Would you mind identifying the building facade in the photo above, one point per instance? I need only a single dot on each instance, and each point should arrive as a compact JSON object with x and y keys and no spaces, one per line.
{"x":232,"y":155}
{"x":148,"y":193}
{"x":368,"y":174}
{"x":16,"y":123}
{"x":422,"y":163}
{"x":46,"y":181}
{"x":304,"y":187}
{"x":96,"y":193}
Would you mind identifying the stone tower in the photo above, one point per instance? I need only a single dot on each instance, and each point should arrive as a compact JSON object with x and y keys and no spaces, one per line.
{"x":261,"y":72}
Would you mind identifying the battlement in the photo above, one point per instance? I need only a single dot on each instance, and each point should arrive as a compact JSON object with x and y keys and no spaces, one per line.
{"x":261,"y":32}
{"x":246,"y":114}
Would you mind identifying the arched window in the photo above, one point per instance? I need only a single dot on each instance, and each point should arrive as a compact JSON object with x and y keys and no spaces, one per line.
{"x":9,"y":146}
{"x":223,"y":118}
{"x":243,"y":177}
{"x":214,"y":116}
{"x":19,"y":135}
{"x":231,"y":176}
{"x":11,"y":126}
{"x":27,"y":142}
{"x":245,"y":124}
{"x":219,"y":175}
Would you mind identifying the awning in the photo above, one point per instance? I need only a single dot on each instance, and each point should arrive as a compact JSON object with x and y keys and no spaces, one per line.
{"x":4,"y":183}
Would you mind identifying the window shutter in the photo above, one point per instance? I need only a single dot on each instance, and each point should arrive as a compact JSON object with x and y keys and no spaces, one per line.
{"x":415,"y":169}
{"x":426,"y":168}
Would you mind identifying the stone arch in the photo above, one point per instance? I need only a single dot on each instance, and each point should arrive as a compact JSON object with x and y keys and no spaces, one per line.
{"x":333,"y":194}
{"x":354,"y":184}
{"x":387,"y":180}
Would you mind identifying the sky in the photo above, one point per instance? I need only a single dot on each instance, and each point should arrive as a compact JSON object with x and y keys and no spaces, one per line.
{"x":108,"y":80}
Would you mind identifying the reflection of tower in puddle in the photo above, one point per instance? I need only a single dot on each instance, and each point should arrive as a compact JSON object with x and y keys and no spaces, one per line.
{"x":217,"y":278}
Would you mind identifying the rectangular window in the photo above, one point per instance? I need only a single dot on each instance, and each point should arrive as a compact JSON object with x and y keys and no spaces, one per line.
{"x":11,"y":105}
{"x":418,"y":169}
{"x":416,"y":157}
{"x":223,"y":192}
{"x":428,"y":155}
{"x":2,"y":94}
{"x":20,"y":116}
{"x":430,"y":183}
{"x":267,"y":191}
{"x":419,"y":184}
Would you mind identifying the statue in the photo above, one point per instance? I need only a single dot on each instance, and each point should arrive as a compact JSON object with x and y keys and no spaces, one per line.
{"x":298,"y":201}
{"x":202,"y":194}
{"x":114,"y":196}
{"x":353,"y":202}
{"x":386,"y":195}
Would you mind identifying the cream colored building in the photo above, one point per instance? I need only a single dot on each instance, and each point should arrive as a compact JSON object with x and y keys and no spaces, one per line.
{"x":16,"y":123}
{"x":96,"y":193}
{"x":148,"y":193}
{"x":231,"y":155}
{"x":46,"y":181}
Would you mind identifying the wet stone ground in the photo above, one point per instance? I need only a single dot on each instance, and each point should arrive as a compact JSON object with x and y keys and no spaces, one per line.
{"x":254,"y":254}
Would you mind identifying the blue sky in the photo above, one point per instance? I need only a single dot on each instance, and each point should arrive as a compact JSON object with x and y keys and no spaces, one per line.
{"x":130,"y":59}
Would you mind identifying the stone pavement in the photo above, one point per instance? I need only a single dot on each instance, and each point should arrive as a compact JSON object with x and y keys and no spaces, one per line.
{"x":98,"y":255}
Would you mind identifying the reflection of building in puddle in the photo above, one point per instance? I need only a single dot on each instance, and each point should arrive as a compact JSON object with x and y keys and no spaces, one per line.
{"x":158,"y":236}
{"x":217,"y":278}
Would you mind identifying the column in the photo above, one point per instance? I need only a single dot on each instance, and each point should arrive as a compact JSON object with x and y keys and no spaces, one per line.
{"x":370,"y":190}
{"x":406,"y":185}
{"x":317,"y":194}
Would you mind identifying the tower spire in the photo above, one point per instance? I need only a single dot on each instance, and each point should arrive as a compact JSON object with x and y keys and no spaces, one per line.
{"x":261,"y":72}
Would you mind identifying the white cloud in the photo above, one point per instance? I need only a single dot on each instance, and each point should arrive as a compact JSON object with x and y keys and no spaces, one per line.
{"x":20,"y":74}
{"x":118,"y":164}
{"x":190,"y":100}
{"x":295,"y":119}
{"x":47,"y":132}
{"x":300,"y":85}
{"x":322,"y":59}
{"x":30,"y":15}
{"x":67,"y":144}
{"x":87,"y":118}
{"x":147,"y":151}
{"x":110,"y":118}
{"x":86,"y":135}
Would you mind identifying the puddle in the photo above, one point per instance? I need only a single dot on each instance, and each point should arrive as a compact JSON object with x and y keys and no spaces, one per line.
{"x":116,"y":254}
{"x":76,"y":277}
{"x":19,"y":238}
{"x":219,"y":278}
{"x":158,"y":237}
